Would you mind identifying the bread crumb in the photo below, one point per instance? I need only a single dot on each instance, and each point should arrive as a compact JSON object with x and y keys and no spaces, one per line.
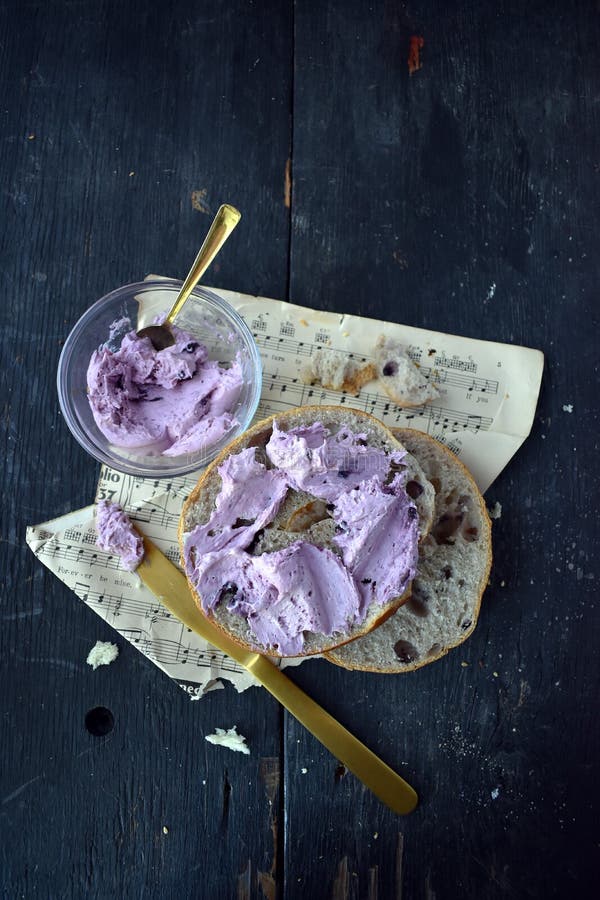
{"x":496,"y":511}
{"x":335,"y":371}
{"x":304,"y":770}
{"x":376,"y":835}
{"x":103,"y":653}
{"x":229,"y":738}
{"x":495,"y":674}
{"x":495,"y":793}
{"x":502,"y":584}
{"x":464,"y":664}
{"x":165,"y":829}
{"x":303,"y":322}
{"x":400,"y":377}
{"x":568,"y":407}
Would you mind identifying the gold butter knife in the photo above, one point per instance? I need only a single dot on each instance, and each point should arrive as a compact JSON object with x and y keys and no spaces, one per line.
{"x":170,"y":586}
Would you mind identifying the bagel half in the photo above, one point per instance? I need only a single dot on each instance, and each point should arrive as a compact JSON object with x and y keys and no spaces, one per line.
{"x":300,"y":517}
{"x":453,"y":572}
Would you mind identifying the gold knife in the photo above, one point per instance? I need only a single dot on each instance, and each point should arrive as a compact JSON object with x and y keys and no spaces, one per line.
{"x":170,"y":586}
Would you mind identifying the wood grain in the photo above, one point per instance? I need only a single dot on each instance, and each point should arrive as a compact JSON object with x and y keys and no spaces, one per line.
{"x":435,"y":165}
{"x":459,"y":196}
{"x":124,"y":126}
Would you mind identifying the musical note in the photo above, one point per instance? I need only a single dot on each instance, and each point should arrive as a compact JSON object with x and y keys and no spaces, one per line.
{"x":121,"y":604}
{"x":173,"y":555}
{"x":170,"y":652}
{"x":455,"y":363}
{"x":474,"y":422}
{"x":298,"y":348}
{"x":455,"y":379}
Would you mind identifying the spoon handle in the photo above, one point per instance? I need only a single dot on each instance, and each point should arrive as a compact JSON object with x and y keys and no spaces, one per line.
{"x":223,"y":224}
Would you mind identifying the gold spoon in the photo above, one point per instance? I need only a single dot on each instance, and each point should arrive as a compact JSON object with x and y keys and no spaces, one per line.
{"x":223,"y":224}
{"x":169,"y":585}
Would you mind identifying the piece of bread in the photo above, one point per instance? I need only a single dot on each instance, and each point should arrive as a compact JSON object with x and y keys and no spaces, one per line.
{"x":400,"y":377}
{"x":301,"y":516}
{"x":453,"y":571}
{"x":336,"y":371}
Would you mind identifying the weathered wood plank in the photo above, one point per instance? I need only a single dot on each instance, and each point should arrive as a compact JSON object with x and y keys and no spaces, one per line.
{"x":124,"y":125}
{"x":463,"y":197}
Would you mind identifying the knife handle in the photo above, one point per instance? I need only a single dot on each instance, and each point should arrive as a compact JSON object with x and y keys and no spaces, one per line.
{"x":386,"y":784}
{"x":169,"y":585}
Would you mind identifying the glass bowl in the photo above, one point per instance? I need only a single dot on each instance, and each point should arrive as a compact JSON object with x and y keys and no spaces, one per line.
{"x":205,"y":315}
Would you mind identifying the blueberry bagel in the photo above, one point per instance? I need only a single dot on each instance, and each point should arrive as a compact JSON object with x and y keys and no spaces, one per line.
{"x":452,"y":572}
{"x":303,"y":534}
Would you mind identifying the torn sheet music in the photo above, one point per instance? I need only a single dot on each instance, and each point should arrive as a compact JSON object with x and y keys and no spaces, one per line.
{"x":488,"y":396}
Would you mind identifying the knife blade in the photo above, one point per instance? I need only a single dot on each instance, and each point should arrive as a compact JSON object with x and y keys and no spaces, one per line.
{"x":170,"y":586}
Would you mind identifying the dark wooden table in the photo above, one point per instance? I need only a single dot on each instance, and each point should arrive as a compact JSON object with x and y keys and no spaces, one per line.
{"x":366,"y":188}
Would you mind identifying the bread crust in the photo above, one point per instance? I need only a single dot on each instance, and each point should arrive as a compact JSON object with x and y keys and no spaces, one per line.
{"x":258,"y":435}
{"x":404,"y":434}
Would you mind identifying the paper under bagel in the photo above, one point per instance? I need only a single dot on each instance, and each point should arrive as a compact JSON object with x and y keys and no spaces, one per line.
{"x":311,"y":516}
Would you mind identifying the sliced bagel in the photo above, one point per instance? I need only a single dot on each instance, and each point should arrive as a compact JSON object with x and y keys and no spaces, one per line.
{"x":453,"y":571}
{"x":300,"y":517}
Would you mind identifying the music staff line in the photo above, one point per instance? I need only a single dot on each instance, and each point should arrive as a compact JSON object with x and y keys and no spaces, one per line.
{"x":471,"y":385}
{"x":463,"y":365}
{"x":177,"y":489}
{"x":442,"y":371}
{"x":133,"y":494}
{"x":149,"y":513}
{"x":437,"y":416}
{"x":289,"y":328}
{"x":176,"y":486}
{"x":119,"y":604}
{"x":168,"y":651}
{"x":163,"y":649}
{"x":89,"y":537}
{"x":91,"y":558}
{"x":85,"y":537}
{"x":69,"y":553}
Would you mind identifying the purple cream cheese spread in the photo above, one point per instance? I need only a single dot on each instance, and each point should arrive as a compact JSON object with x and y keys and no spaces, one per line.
{"x":167,"y":402}
{"x":116,"y":534}
{"x":281,"y":594}
{"x":306,"y":588}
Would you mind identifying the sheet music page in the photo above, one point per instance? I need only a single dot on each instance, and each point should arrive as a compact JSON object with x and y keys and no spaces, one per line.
{"x":488,"y":396}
